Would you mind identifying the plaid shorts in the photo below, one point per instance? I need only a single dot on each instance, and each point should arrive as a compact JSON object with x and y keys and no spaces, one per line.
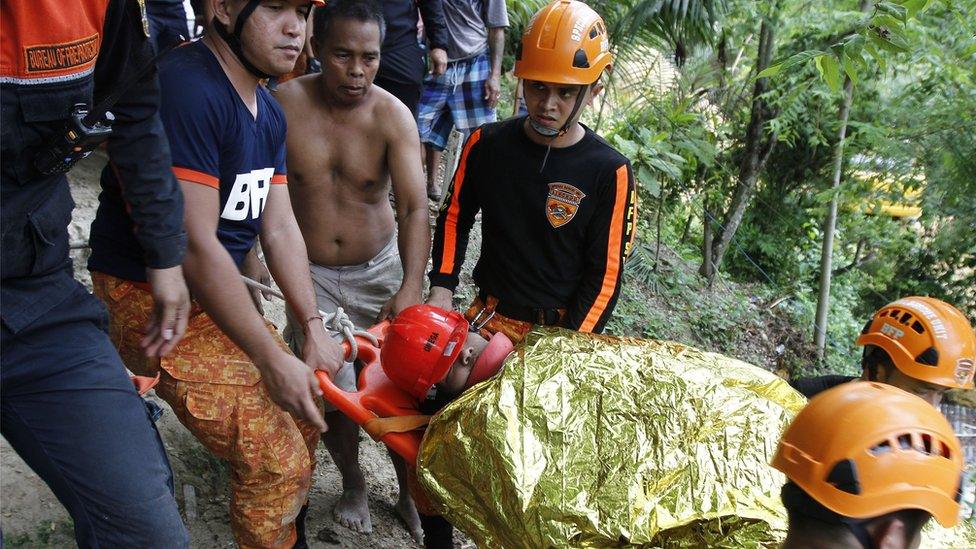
{"x":455,"y":99}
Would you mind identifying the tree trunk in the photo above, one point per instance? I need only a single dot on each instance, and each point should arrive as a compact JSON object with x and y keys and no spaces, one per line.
{"x":753,"y":157}
{"x":706,"y":268}
{"x":826,"y":255}
{"x":687,"y":229}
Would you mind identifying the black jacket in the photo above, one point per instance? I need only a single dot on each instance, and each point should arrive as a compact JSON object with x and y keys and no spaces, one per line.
{"x":36,"y":98}
{"x":550,"y":240}
{"x":402,"y":59}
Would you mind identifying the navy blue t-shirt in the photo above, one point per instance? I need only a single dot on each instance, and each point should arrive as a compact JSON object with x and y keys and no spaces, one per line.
{"x":215,"y":141}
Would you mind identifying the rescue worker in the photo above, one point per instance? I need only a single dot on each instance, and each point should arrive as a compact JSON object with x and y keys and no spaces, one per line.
{"x":919,"y":344}
{"x":867,"y":466}
{"x":66,"y":403}
{"x":232,"y":381}
{"x":557,"y":201}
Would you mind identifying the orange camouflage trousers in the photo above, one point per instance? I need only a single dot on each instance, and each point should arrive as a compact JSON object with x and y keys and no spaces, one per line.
{"x":490,"y":322}
{"x":216,"y":392}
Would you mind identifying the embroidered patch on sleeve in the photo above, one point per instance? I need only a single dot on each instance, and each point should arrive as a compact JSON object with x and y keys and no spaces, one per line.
{"x":53,"y":57}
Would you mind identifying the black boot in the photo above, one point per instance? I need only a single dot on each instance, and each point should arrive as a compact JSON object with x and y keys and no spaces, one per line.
{"x":300,"y":541}
{"x":438,"y":533}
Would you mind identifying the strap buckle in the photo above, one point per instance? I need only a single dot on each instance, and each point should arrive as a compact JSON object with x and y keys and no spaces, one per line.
{"x":490,"y":303}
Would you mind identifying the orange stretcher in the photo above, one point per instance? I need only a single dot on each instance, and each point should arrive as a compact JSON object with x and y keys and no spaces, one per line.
{"x":388,"y":414}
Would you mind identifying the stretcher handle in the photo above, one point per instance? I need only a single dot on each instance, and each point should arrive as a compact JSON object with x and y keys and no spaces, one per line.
{"x":347,"y":403}
{"x":351,"y":405}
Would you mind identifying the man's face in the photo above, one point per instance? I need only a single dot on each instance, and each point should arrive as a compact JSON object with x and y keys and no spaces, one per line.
{"x":550,"y":105}
{"x":274,"y":34}
{"x":928,"y":392}
{"x":350,"y":57}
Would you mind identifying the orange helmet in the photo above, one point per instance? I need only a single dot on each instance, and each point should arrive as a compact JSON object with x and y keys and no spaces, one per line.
{"x":564,"y":43}
{"x":927,"y":339}
{"x":420,"y":345}
{"x":865,"y":449}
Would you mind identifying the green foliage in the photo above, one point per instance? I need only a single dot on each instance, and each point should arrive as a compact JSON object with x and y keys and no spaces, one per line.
{"x":667,"y":300}
{"x":884,"y":29}
{"x":679,"y":108}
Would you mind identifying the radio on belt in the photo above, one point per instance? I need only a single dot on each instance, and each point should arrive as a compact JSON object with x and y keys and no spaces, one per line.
{"x":78,"y":139}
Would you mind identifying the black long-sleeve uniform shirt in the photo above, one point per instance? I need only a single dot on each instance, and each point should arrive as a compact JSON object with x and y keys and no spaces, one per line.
{"x":402,"y":59}
{"x":550,"y":240}
{"x":56,"y":54}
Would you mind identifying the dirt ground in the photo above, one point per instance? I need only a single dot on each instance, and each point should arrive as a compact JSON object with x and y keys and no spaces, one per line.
{"x":30,"y":515}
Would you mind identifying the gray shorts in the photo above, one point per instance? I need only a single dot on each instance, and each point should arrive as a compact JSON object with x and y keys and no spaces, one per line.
{"x":361,"y":290}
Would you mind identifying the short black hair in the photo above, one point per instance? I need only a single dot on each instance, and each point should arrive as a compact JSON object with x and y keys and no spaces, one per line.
{"x":873,"y":357}
{"x":809,"y":520}
{"x":364,"y":11}
{"x":804,"y":527}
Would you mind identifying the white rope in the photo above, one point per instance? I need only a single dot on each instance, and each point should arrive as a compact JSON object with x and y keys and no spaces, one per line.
{"x":337,"y":322}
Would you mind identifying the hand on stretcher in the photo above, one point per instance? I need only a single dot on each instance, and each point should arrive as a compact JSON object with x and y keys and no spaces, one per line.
{"x":387,"y":413}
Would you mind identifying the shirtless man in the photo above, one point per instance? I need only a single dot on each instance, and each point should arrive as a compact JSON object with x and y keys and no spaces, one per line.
{"x":347,"y":141}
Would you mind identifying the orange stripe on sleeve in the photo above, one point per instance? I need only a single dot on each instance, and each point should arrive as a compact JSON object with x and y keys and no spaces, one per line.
{"x":613,"y":254}
{"x":279,"y":179}
{"x":633,"y":223}
{"x":450,"y":222}
{"x":193,"y":176}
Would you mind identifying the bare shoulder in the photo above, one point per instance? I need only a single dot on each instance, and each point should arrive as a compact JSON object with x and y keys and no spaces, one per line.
{"x":391,"y":114}
{"x":295,"y":93}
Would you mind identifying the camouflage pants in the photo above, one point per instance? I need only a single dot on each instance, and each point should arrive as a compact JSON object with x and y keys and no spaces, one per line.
{"x":216,"y":392}
{"x":491,"y":322}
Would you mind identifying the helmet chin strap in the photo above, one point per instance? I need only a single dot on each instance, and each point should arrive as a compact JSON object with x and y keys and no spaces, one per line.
{"x":552,"y":134}
{"x":544,"y":131}
{"x":233,"y":39}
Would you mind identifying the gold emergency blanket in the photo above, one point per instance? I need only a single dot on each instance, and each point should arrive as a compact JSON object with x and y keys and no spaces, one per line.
{"x":934,"y":536}
{"x":593,"y":441}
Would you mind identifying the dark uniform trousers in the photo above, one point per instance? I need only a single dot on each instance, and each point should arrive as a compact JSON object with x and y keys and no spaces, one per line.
{"x":69,"y":410}
{"x":66,"y":403}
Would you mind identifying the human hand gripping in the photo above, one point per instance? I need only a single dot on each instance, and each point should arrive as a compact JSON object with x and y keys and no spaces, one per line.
{"x":171,"y":310}
{"x":438,"y":61}
{"x":440,"y":297}
{"x":404,"y":298}
{"x":321,"y":352}
{"x":290,"y":384}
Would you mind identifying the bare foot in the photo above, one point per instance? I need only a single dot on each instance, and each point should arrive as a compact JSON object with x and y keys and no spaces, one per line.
{"x":352,"y":512}
{"x":407,"y":512}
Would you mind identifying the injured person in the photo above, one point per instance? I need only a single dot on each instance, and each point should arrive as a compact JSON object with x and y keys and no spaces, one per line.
{"x":432,"y":354}
{"x":578,"y":434}
{"x":570,"y":439}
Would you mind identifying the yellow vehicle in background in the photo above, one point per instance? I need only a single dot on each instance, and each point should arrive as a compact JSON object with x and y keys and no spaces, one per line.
{"x":889,"y":194}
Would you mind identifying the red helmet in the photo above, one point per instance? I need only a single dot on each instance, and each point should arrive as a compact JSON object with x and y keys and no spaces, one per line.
{"x":420,"y":346}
